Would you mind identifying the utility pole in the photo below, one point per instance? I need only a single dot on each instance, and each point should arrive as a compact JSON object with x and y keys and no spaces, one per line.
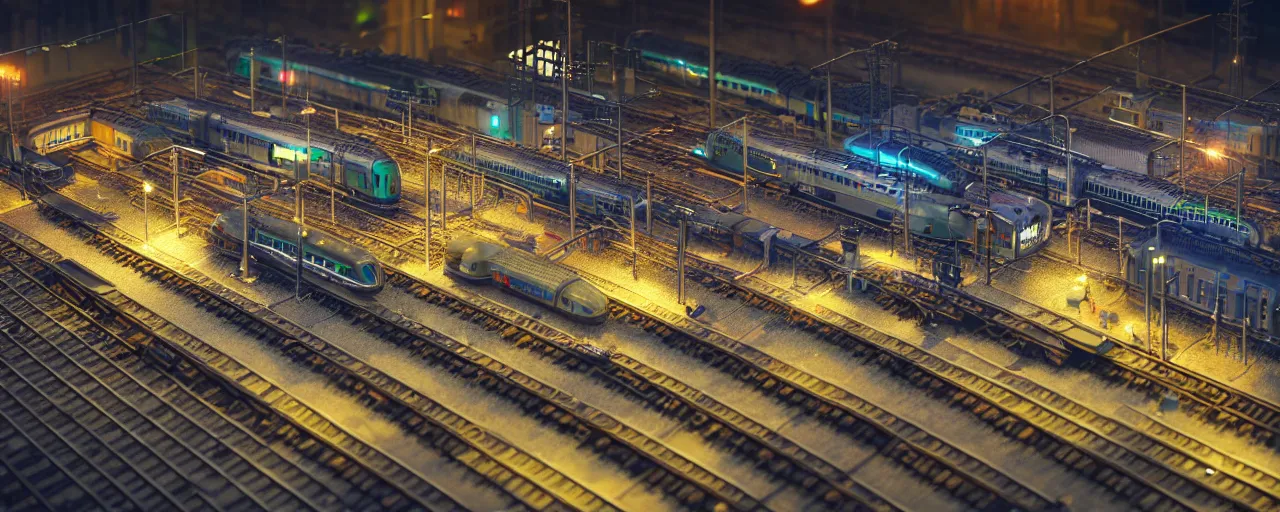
{"x":711,"y":67}
{"x":635,"y":256}
{"x":133,"y":50}
{"x":475,"y":169}
{"x":682,"y":242}
{"x":426,"y":201}
{"x":573,"y":201}
{"x":177,"y":220}
{"x":253,"y":81}
{"x":244,"y":237}
{"x":620,"y":136}
{"x":284,"y":73}
{"x":566,"y":59}
{"x":827,"y":143}
{"x":648,"y":199}
{"x":744,"y":164}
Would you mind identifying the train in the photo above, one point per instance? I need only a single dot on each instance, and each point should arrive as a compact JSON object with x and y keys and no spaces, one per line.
{"x":1035,"y":167}
{"x":548,"y":179}
{"x":781,"y":89}
{"x":354,"y":166}
{"x":1253,"y":133}
{"x":943,"y":204}
{"x":273,"y":242}
{"x":1017,"y":157}
{"x":475,"y":259}
{"x":387,"y":86}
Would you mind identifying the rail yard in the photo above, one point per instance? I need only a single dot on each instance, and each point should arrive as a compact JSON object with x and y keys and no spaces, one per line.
{"x":300,"y":277}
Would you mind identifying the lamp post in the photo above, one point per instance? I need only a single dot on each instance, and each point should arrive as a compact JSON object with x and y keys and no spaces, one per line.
{"x":177,"y":219}
{"x":711,"y":66}
{"x":1164,"y":321}
{"x":146,"y":221}
{"x":1151,"y":260}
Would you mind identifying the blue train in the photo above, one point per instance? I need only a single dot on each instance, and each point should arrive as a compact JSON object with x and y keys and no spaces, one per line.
{"x":1026,"y":163}
{"x":548,"y":179}
{"x":366,"y":173}
{"x":943,"y":204}
{"x":1036,"y":168}
{"x":789,"y":90}
{"x":274,"y":243}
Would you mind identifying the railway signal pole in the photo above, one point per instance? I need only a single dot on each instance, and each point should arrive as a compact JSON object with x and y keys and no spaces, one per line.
{"x":906,"y":200}
{"x":253,"y":81}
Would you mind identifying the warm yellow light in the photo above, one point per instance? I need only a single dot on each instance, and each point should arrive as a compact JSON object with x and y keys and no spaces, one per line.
{"x":9,"y":73}
{"x":1213,"y":153}
{"x":808,"y":3}
{"x":309,"y":110}
{"x":1128,"y":328}
{"x":146,"y":187}
{"x":1082,"y":279}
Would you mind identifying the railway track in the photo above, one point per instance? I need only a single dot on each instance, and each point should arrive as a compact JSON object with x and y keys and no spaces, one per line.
{"x":267,"y":457}
{"x":761,"y":447}
{"x":658,"y":465}
{"x":507,"y":469}
{"x":1056,"y":425}
{"x":966,"y":477}
{"x":729,"y":429}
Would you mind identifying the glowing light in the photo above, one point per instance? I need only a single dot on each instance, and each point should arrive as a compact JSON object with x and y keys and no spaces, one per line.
{"x":1082,"y":279}
{"x":494,"y":122}
{"x":9,"y":73}
{"x":308,"y":111}
{"x":146,"y":187}
{"x":1128,"y":328}
{"x":699,"y":152}
{"x":810,"y":3}
{"x":1209,"y":471}
{"x":680,"y":62}
{"x":363,"y":16}
{"x":1213,"y":153}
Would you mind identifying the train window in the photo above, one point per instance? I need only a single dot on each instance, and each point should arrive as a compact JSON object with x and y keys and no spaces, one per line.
{"x":367,"y":272}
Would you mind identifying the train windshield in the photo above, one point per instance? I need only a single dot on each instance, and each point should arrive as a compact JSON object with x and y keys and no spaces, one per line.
{"x":390,"y":182}
{"x":368,"y":274}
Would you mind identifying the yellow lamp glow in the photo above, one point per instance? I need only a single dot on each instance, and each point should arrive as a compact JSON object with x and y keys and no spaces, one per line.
{"x":146,"y":187}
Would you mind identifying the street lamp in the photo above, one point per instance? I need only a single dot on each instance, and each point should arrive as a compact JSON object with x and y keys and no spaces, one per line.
{"x":146,"y":221}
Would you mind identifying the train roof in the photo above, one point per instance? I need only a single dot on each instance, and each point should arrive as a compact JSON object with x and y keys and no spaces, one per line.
{"x":317,"y":241}
{"x":1116,"y":135}
{"x":133,"y":126}
{"x":543,"y":270}
{"x":282,"y":130}
{"x":531,"y":161}
{"x":1157,"y":190}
